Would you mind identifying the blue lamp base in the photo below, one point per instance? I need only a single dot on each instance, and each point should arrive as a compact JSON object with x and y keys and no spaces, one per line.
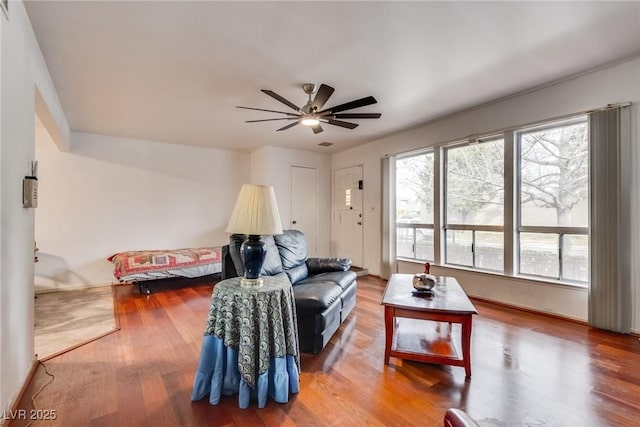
{"x":253,"y":252}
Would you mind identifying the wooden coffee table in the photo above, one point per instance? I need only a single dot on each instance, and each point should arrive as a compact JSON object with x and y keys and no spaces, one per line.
{"x":428,"y":328}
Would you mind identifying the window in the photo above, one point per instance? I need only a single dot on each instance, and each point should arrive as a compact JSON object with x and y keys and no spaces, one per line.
{"x":414,"y":207}
{"x":474,"y":200}
{"x":553,"y":194}
{"x":455,"y":203}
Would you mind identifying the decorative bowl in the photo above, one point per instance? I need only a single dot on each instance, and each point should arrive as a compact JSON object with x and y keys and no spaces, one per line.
{"x":424,"y":282}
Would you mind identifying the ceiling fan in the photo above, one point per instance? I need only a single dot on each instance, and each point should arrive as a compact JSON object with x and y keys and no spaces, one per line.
{"x":311,"y":114}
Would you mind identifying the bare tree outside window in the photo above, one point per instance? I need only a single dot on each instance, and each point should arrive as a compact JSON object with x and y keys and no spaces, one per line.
{"x":414,"y":191}
{"x":475,"y":184}
{"x":554,"y":171}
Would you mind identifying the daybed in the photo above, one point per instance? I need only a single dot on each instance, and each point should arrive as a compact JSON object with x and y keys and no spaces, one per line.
{"x":324,"y":288}
{"x":146,"y":267}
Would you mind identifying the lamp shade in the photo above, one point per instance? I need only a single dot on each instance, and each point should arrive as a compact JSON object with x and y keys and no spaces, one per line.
{"x":255,"y":212}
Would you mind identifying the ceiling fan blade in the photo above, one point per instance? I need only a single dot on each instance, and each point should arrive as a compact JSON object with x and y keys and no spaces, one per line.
{"x":316,"y":128}
{"x":322,"y":96}
{"x":270,"y":120}
{"x":270,"y":111}
{"x":281,"y":99}
{"x":349,"y":105}
{"x":357,"y":116}
{"x":342,"y":124}
{"x":289,"y":126}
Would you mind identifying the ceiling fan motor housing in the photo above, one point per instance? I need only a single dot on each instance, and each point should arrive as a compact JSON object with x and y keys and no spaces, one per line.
{"x":309,"y":89}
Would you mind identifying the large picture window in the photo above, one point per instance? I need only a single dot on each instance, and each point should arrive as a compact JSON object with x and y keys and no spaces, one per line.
{"x":461,"y":221}
{"x":553,"y":193}
{"x":414,"y":207}
{"x":474,"y":200}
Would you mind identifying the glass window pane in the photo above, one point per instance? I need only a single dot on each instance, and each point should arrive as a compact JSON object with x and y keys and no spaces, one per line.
{"x":404,"y":242}
{"x":424,"y":244}
{"x":575,"y":257}
{"x":459,"y":247}
{"x":539,"y":254}
{"x":554,"y":176}
{"x":475,"y":184}
{"x":489,"y":250}
{"x":414,"y":189}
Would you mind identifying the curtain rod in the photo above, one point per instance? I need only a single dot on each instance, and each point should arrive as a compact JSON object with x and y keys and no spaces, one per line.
{"x":474,"y":137}
{"x":610,"y":107}
{"x":493,"y":133}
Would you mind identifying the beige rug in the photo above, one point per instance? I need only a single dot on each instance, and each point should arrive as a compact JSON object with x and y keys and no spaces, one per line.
{"x":65,"y":320}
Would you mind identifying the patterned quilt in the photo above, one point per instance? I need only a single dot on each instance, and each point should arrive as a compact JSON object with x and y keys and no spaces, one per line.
{"x":127,"y":263}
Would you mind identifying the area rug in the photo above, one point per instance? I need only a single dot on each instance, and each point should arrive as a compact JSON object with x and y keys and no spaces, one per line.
{"x":65,"y":320}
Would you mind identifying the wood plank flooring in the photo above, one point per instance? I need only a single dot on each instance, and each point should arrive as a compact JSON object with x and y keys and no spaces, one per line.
{"x":528,"y":370}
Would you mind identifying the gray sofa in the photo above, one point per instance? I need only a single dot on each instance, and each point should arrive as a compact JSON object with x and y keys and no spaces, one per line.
{"x":324,"y":288}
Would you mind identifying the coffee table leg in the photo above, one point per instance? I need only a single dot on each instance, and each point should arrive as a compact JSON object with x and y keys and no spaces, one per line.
{"x":388,"y":332}
{"x":466,"y":344}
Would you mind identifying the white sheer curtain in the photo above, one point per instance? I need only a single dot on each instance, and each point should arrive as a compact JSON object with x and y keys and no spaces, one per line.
{"x":610,"y":219}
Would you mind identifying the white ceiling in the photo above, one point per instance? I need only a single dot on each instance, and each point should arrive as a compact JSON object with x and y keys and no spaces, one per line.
{"x":173,"y":71}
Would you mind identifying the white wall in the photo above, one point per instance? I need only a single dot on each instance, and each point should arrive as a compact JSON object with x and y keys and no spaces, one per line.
{"x":20,"y":61}
{"x":272,"y":166}
{"x":111,"y":194}
{"x":618,"y":83}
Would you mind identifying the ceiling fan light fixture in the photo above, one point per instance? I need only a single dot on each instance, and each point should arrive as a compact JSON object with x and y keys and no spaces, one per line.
{"x":310,"y":121}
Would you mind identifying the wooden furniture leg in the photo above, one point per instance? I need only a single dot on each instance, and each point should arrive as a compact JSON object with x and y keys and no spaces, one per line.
{"x":388,"y":332}
{"x":466,"y":344}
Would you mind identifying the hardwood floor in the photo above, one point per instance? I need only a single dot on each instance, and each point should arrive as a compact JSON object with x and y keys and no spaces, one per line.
{"x":528,"y":370}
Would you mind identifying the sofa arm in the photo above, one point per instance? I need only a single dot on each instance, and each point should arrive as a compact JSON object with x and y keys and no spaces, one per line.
{"x":323,"y":265}
{"x":228,"y":269}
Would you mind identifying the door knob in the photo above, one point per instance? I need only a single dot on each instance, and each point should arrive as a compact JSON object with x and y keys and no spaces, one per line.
{"x":294,"y":222}
{"x":359,"y":222}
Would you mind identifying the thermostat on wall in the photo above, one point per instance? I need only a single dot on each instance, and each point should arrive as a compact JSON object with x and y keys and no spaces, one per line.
{"x":30,"y":192}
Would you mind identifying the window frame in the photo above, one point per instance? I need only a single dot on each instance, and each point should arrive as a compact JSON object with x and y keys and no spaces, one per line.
{"x":511,"y":225}
{"x":560,"y":231}
{"x":469,"y":227}
{"x":415,"y":226}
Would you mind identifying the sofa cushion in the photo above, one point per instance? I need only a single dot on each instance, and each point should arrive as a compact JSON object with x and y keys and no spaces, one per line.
{"x":321,"y":265}
{"x":297,"y":274}
{"x":343,"y":279}
{"x":292,"y":247}
{"x":272,"y":264}
{"x":316,"y":296}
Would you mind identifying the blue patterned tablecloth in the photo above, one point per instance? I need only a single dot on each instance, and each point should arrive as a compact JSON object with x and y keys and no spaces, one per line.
{"x":257,"y":329}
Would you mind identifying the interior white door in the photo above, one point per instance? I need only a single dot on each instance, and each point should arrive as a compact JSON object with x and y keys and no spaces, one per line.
{"x":347,"y":218}
{"x":304,"y":205}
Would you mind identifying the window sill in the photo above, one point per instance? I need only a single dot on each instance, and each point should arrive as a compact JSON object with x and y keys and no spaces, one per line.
{"x":521,"y":278}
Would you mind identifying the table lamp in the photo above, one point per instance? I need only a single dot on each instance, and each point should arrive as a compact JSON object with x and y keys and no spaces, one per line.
{"x":255,"y":213}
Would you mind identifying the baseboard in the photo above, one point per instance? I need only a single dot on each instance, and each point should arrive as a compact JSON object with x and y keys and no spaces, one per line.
{"x":13,"y":409}
{"x":529,"y":310}
{"x":70,"y":288}
{"x":360,"y":271}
